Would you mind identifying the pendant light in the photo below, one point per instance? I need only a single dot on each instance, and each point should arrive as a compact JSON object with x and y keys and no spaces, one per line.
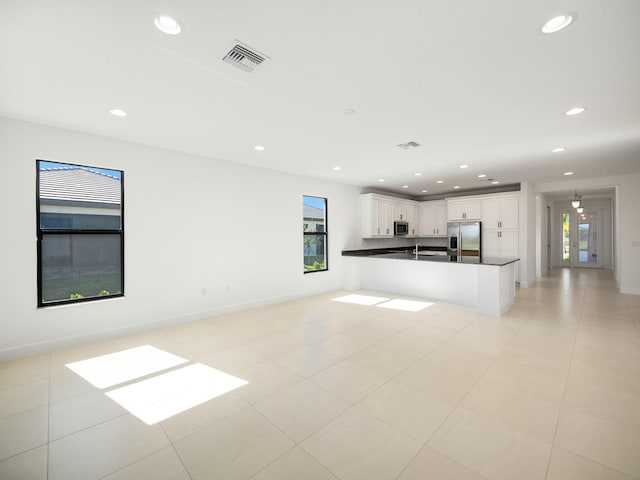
{"x":580,"y":209}
{"x":575,"y":203}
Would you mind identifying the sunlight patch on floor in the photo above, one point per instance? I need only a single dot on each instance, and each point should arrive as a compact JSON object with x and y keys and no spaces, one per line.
{"x":108,"y":370}
{"x":168,"y":394}
{"x":161,"y":396}
{"x":360,"y":299}
{"x":406,"y":305}
{"x":395,"y":304}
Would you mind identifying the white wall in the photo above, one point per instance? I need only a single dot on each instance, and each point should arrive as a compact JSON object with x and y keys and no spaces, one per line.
{"x":527,"y":235}
{"x":626,"y":223}
{"x":542,"y":252}
{"x":202,"y":237}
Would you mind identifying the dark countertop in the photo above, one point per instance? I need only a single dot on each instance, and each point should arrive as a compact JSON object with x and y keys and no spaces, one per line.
{"x":405,"y":253}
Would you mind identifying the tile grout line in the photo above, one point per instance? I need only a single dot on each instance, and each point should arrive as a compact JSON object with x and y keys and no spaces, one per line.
{"x":458,"y":406}
{"x":581,"y":320}
{"x":564,"y":390}
{"x":351,"y":406}
{"x":426,"y":444}
{"x":173,"y":447}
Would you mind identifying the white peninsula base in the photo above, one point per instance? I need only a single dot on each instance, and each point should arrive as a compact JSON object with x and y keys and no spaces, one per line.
{"x":489,"y":289}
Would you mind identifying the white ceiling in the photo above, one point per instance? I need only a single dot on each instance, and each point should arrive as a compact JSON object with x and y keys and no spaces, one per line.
{"x":474,"y":82}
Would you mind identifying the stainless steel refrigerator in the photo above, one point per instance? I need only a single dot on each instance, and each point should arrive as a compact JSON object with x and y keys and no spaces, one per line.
{"x":463,"y":239}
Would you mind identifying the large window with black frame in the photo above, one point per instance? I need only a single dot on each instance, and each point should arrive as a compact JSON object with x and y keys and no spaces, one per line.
{"x":80,"y":230}
{"x":314,"y":231}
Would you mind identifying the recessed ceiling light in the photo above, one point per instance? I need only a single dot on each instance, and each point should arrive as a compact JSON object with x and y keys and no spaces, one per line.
{"x":439,"y":181}
{"x":558,"y":22}
{"x":482,"y":175}
{"x":417,"y":174}
{"x":568,"y":173}
{"x":167,"y":24}
{"x":336,"y":168}
{"x":425,"y":191}
{"x":495,"y":182}
{"x":558,"y":150}
{"x":381,"y":179}
{"x":464,"y":166}
{"x":575,"y":111}
{"x":259,"y":148}
{"x":405,"y":186}
{"x":456,"y":186}
{"x":117,"y":112}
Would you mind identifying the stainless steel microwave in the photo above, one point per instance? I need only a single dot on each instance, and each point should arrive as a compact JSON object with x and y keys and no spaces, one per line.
{"x":400,"y":228}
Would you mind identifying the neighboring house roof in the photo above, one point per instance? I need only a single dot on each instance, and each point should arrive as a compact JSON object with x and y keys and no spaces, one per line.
{"x":79,"y":185}
{"x":312,"y":213}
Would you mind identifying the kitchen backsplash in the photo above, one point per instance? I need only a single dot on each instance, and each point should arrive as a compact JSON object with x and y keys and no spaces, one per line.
{"x":401,"y":242}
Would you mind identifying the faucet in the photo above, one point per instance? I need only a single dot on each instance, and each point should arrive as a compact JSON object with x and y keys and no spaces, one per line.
{"x":417,"y":245}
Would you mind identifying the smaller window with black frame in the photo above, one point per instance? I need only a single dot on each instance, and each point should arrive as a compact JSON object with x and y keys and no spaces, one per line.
{"x":314,"y":231}
{"x":80,"y":231}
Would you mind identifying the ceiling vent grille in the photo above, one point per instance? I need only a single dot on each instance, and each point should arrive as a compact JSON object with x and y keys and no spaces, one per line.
{"x":242,"y":57}
{"x":408,"y":145}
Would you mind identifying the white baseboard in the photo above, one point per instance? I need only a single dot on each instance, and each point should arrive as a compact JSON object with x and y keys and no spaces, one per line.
{"x":101,"y":335}
{"x":629,"y":291}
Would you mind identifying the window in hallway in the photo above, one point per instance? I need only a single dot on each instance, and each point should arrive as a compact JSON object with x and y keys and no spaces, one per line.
{"x":566,"y":244}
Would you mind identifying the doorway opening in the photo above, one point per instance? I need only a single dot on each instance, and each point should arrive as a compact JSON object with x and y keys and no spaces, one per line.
{"x":582,"y":238}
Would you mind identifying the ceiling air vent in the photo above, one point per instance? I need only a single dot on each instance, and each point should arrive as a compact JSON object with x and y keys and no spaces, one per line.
{"x":408,"y":145}
{"x":244,"y":58}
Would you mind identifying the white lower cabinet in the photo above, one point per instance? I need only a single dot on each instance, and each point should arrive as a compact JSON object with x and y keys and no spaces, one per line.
{"x":501,"y":244}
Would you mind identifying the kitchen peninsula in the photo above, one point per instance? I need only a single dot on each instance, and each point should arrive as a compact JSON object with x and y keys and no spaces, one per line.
{"x":483,"y":283}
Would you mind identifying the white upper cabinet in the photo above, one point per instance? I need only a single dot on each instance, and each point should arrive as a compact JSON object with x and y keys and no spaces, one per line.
{"x":433,"y":219}
{"x":463,"y":209}
{"x":413,"y":217}
{"x":376,"y":214}
{"x":500,"y":212}
{"x":400,"y":211}
{"x":385,"y":218}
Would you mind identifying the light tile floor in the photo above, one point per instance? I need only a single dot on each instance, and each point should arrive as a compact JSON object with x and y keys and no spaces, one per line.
{"x":551,"y":390}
